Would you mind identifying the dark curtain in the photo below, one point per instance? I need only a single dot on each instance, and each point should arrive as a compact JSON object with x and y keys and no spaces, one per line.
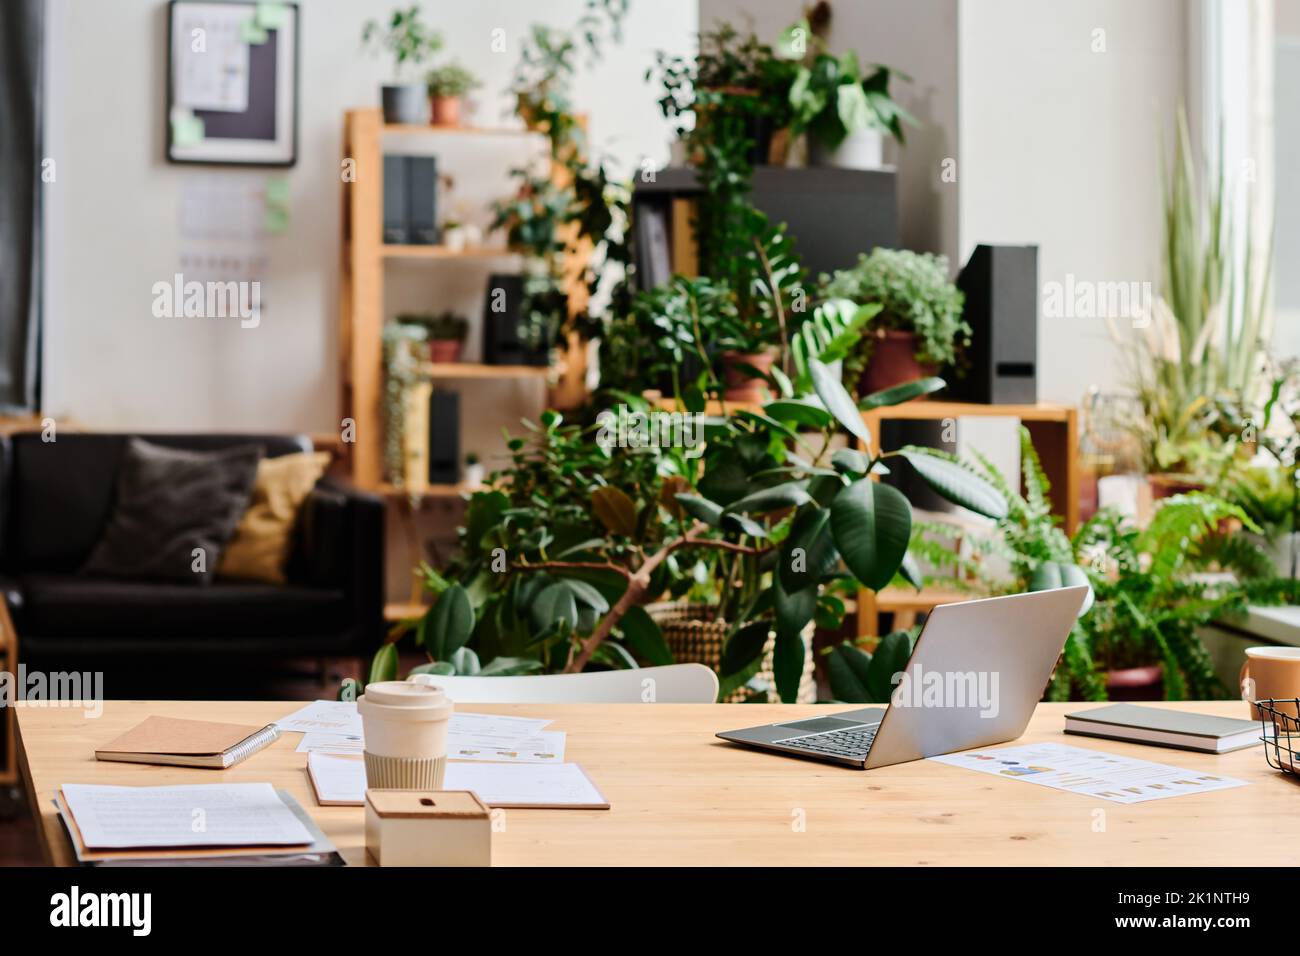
{"x":22,"y":24}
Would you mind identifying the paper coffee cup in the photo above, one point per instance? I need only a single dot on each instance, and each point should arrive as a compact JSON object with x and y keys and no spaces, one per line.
{"x":405,"y":728}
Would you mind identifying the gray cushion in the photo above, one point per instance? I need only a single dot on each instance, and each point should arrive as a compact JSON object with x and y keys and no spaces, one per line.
{"x":169,"y":504}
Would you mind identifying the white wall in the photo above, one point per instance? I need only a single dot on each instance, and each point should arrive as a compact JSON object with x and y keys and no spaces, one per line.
{"x":113,"y":230}
{"x":1060,"y":146}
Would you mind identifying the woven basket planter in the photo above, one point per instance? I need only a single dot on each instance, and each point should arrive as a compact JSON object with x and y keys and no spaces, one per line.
{"x":695,"y":639}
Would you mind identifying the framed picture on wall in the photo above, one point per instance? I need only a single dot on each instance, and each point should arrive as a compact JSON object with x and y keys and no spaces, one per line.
{"x":232,"y":82}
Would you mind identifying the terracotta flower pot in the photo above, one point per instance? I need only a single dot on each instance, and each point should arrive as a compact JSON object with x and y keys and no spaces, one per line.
{"x":1136,"y":683}
{"x":893,"y":362}
{"x":442,"y":351}
{"x":444,"y":110}
{"x":741,"y":385}
{"x":1166,"y":486}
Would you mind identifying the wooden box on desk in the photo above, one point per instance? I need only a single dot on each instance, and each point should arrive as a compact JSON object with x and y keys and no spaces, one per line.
{"x":428,"y":828}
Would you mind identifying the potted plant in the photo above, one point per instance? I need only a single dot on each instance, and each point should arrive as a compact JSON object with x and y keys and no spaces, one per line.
{"x":447,"y":84}
{"x":919,"y":327}
{"x":474,"y":470}
{"x":590,"y":537}
{"x":844,"y":112}
{"x":446,"y":337}
{"x":411,"y":42}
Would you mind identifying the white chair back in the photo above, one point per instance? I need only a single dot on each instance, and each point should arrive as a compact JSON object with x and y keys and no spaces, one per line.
{"x":672,"y":684}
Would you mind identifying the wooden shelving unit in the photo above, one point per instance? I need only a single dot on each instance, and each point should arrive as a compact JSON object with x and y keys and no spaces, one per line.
{"x":362,"y":291}
{"x":1054,"y":430}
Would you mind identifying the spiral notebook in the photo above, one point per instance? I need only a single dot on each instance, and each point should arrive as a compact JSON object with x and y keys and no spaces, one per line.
{"x":188,"y":743}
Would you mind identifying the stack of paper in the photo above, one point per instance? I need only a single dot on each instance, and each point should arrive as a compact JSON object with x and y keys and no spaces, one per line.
{"x":212,"y":823}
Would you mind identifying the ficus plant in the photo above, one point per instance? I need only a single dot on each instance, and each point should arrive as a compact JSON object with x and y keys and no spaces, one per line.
{"x":777,"y":520}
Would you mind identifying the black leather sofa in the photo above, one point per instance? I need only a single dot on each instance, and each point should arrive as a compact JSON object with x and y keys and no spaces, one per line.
{"x":55,"y":498}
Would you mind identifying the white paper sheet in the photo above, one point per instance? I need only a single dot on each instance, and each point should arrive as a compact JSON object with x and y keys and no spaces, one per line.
{"x":338,"y":779}
{"x":210,"y":57}
{"x":544,"y":747}
{"x":495,"y":725}
{"x":331,"y":744}
{"x":235,"y":814}
{"x":343,"y":779}
{"x":324,"y":716}
{"x":513,"y":785}
{"x":1093,"y":772}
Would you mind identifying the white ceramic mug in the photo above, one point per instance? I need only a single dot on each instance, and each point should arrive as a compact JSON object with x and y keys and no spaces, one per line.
{"x":1271,"y":673}
{"x":405,"y":727}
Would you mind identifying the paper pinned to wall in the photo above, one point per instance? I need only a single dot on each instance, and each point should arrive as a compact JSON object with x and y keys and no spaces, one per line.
{"x":210,"y":57}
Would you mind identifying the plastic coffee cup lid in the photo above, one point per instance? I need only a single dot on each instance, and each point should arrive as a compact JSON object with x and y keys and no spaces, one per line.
{"x":406,"y":695}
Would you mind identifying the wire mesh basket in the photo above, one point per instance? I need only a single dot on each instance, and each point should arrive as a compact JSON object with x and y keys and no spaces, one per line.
{"x":1281,"y":732}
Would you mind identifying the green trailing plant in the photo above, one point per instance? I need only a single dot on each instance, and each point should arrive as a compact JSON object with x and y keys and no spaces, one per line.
{"x":914,"y":295}
{"x":405,"y":36}
{"x":577,"y":537}
{"x":403,"y":355}
{"x":575,"y":208}
{"x":450,"y":79}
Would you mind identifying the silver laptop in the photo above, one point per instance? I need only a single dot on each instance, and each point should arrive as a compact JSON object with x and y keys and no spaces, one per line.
{"x":978,"y":670}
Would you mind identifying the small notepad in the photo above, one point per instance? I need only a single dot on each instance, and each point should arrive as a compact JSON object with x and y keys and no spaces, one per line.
{"x":188,"y":743}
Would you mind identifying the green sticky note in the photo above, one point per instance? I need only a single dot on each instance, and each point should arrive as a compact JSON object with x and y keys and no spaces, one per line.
{"x":276,"y":220}
{"x":187,"y":130}
{"x":271,"y":16}
{"x":252,"y":32}
{"x":277,"y":191}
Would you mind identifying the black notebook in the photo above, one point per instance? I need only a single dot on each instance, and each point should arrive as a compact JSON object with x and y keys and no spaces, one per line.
{"x":1165,"y":728}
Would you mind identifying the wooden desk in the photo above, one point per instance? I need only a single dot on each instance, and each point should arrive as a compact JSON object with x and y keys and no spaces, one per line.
{"x":681,"y":797}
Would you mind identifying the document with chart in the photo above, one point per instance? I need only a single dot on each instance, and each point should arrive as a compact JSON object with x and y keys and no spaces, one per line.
{"x":1092,"y":772}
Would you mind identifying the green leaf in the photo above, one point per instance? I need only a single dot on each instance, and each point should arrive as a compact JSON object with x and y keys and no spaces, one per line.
{"x":911,"y":573}
{"x":441,"y":668}
{"x":555,"y":603}
{"x":384,"y":664}
{"x":801,"y":411}
{"x":447,"y":625}
{"x":794,"y":609}
{"x":510,"y":666}
{"x":901,"y":393}
{"x":956,"y":483}
{"x":890,"y":658}
{"x":792,"y":494}
{"x":587,"y":594}
{"x":787,"y":665}
{"x":701,"y":509}
{"x":643,"y":636}
{"x":852,"y":107}
{"x":744,"y":647}
{"x":466,"y":662}
{"x":811,"y":532}
{"x":846,"y":667}
{"x":871,"y":523}
{"x":615,"y":510}
{"x":838,"y":401}
{"x":743,"y":525}
{"x":850,"y":461}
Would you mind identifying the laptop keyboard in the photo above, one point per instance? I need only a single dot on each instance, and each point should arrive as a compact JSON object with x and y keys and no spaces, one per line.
{"x":851,"y":742}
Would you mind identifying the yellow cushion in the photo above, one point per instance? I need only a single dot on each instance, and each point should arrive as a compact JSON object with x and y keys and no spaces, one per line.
{"x":260,"y":546}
